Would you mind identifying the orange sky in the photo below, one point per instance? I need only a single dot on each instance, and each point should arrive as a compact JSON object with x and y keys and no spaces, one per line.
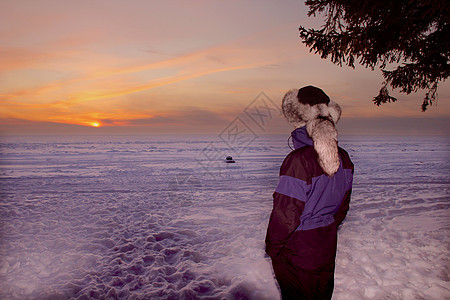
{"x":169,"y":67}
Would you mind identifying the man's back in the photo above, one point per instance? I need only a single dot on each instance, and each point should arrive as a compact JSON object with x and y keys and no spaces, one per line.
{"x":311,"y":199}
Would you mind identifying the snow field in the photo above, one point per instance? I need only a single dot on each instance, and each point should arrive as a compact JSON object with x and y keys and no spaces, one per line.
{"x":138,"y":218}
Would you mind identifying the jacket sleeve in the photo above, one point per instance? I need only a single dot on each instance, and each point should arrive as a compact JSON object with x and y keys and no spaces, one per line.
{"x":343,"y":209}
{"x":345,"y":204}
{"x":284,"y":219}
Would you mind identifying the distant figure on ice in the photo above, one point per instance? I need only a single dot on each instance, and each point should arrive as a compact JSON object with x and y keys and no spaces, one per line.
{"x":311,"y":199}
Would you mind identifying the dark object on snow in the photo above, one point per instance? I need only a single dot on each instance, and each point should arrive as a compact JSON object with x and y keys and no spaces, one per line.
{"x":229,"y":160}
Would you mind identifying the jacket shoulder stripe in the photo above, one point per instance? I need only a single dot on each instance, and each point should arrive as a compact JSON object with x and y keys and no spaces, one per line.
{"x":293,"y":187}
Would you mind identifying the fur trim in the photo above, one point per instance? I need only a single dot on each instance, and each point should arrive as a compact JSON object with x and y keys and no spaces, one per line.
{"x":293,"y":110}
{"x":324,"y":135}
{"x":298,"y":114}
{"x":320,"y":122}
{"x":335,"y":111}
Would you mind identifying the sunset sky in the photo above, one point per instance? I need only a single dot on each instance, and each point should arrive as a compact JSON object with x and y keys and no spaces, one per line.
{"x":146,"y":67}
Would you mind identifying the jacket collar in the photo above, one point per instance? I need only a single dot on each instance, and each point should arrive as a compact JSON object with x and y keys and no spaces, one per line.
{"x":301,"y":138}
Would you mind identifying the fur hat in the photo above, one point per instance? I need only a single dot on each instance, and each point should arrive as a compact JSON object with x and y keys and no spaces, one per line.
{"x":311,"y":107}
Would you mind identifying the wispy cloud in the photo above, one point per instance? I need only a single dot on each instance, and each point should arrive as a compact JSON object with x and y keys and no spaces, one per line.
{"x":57,"y":98}
{"x":140,"y":69}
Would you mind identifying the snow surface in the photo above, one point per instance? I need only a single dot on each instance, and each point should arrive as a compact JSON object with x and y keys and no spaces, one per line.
{"x":140,"y":218}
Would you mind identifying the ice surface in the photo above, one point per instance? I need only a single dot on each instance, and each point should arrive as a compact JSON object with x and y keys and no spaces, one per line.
{"x":141,"y":218}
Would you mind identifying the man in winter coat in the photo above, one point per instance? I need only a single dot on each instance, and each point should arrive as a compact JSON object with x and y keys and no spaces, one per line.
{"x":311,"y":199}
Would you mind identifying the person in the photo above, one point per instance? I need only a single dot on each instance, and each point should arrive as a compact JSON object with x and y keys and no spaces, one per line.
{"x":311,"y":200}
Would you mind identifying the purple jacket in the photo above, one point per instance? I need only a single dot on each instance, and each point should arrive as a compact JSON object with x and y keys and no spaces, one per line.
{"x":308,"y":207}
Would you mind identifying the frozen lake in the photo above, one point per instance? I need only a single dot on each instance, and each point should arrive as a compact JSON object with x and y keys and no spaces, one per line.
{"x":150,"y":217}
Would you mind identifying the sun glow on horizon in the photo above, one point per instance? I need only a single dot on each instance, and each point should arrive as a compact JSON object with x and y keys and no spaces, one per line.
{"x":95,"y":124}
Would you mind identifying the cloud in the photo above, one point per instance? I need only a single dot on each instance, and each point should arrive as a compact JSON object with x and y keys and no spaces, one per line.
{"x":58,"y":99}
{"x":394,"y":126}
{"x":156,"y":120}
{"x":63,"y":71}
{"x":143,"y":69}
{"x":186,"y":119}
{"x":186,"y":116}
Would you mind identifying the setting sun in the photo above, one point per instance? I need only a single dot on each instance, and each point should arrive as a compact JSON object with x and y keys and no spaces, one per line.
{"x":95,"y":124}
